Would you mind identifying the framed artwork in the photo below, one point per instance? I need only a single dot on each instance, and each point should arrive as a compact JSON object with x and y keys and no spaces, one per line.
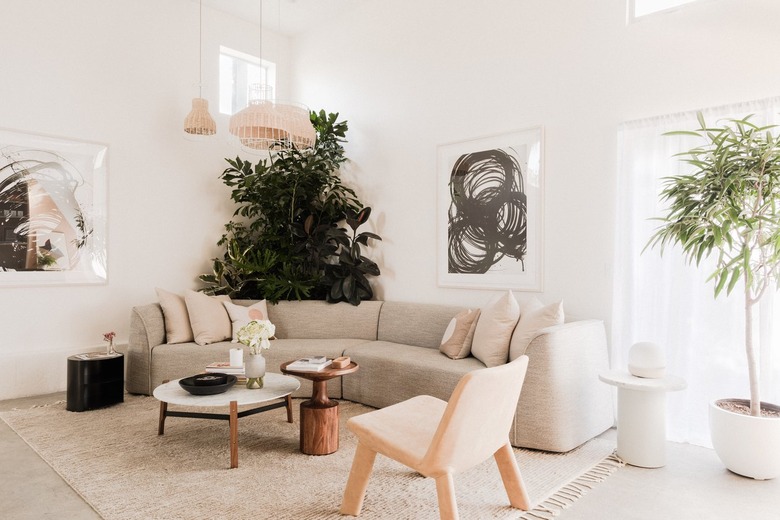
{"x":490,"y":212}
{"x":53,"y":198}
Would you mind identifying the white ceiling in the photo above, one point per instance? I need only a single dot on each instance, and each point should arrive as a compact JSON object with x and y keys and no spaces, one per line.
{"x":286,"y":16}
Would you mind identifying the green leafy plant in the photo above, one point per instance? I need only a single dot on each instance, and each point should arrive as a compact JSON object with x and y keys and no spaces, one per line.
{"x":729,"y":207}
{"x":285,"y":241}
{"x":348,"y":278}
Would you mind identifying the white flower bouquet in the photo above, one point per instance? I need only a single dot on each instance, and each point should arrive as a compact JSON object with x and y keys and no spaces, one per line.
{"x":256,"y":335}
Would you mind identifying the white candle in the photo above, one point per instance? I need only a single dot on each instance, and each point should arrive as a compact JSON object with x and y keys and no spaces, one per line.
{"x":236,"y":357}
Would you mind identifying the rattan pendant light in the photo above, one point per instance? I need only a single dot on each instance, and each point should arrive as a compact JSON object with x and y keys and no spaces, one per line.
{"x":266,"y":124}
{"x":199,"y":121}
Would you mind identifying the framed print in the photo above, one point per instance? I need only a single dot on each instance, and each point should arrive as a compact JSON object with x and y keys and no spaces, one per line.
{"x":52,"y":210}
{"x":490,"y":212}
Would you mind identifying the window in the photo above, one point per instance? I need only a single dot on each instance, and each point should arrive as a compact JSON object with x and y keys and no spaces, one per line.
{"x":237,"y":71}
{"x":639,"y":8}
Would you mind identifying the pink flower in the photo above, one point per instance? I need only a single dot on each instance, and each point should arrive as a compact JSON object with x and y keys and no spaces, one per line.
{"x":109,"y":336}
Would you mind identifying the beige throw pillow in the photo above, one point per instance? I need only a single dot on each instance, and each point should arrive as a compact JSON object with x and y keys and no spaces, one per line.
{"x":241,"y":315}
{"x":456,"y":342}
{"x":534,"y":316}
{"x":177,"y":319}
{"x":494,"y":330}
{"x":208,"y":317}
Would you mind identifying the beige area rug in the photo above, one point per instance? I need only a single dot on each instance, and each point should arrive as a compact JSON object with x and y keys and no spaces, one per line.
{"x":115,"y":460}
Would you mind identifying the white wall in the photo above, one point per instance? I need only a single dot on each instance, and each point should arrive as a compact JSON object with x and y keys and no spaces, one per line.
{"x":411,"y":75}
{"x":408,"y":75}
{"x":120,"y":72}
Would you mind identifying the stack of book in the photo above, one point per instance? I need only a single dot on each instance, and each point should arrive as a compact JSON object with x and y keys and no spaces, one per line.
{"x":224,"y":367}
{"x":310,"y":364}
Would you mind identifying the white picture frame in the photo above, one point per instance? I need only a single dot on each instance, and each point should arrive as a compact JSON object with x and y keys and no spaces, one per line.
{"x":53,"y":193}
{"x":490,"y":212}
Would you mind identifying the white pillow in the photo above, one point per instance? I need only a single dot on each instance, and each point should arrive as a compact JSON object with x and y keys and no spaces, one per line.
{"x":494,"y":330}
{"x":457,"y":338}
{"x":208,"y":317}
{"x":241,"y":315}
{"x":177,"y":319}
{"x":534,"y":316}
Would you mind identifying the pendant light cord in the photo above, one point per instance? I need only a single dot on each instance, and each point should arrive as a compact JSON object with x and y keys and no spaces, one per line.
{"x":200,"y":49}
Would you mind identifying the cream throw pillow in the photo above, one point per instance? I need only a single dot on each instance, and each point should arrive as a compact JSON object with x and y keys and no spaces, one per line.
{"x":494,"y":330}
{"x":534,"y":316}
{"x":177,"y":319}
{"x":456,"y":342}
{"x":208,"y":317}
{"x":241,"y":315}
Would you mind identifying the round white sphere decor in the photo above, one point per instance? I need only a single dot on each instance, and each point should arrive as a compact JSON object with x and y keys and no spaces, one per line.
{"x":646,"y":359}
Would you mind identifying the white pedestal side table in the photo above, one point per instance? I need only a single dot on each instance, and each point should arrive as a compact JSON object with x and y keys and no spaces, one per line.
{"x":641,"y":416}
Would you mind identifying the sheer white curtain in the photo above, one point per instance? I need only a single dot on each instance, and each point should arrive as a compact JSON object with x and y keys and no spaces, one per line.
{"x":667,"y":301}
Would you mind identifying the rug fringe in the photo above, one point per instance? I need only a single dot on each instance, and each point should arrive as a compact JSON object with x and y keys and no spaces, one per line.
{"x":567,"y":494}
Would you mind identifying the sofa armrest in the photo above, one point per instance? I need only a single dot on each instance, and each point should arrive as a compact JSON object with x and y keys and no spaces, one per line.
{"x":563,"y":404}
{"x":147,"y":330}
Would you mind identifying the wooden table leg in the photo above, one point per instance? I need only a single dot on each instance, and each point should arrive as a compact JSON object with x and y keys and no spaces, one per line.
{"x":289,"y":409}
{"x":233,"y":434}
{"x":319,"y":422}
{"x":161,"y":423}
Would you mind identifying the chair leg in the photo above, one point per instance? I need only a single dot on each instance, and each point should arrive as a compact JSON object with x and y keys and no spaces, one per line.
{"x":355,"y":491}
{"x":445,"y":492}
{"x":510,"y":475}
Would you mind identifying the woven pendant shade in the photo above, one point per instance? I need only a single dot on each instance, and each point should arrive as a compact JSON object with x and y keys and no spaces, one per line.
{"x":266,"y":124}
{"x":199,"y":121}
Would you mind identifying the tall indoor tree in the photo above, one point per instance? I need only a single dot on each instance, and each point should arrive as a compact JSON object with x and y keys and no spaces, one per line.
{"x":728,"y":207}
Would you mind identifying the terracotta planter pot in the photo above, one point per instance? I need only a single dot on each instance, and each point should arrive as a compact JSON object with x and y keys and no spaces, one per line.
{"x":747,"y":445}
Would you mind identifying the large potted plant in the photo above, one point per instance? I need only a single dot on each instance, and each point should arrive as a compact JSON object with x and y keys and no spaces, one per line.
{"x":728,"y":207}
{"x":286,"y":240}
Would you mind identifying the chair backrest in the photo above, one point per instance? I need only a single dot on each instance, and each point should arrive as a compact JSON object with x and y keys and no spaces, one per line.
{"x":477,"y":420}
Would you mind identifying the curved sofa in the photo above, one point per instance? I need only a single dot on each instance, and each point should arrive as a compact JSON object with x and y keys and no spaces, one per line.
{"x":396,"y":344}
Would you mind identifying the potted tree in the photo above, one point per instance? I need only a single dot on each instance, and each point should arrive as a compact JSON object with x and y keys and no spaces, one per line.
{"x":729,"y":206}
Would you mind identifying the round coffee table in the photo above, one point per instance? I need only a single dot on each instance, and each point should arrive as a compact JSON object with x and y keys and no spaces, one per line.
{"x":276,"y":387}
{"x":320,"y":415}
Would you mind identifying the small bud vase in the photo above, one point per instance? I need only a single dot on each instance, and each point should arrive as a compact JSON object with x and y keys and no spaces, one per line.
{"x":255,"y":370}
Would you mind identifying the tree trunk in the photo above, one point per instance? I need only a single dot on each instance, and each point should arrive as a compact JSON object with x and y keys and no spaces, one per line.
{"x":752,"y":358}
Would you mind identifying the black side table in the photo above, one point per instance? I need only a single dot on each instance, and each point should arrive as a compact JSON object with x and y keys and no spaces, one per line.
{"x":94,"y":382}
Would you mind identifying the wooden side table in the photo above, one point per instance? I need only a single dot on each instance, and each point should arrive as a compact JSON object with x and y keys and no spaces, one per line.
{"x":320,"y":415}
{"x":641,"y":419}
{"x":94,"y":382}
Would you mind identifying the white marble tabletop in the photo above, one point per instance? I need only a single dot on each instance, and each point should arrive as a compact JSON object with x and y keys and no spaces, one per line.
{"x":275,"y":386}
{"x":624,"y":379}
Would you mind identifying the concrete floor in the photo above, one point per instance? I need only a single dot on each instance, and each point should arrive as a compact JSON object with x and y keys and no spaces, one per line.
{"x":693,"y":484}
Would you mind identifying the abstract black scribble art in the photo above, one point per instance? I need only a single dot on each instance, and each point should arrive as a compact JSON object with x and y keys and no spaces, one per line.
{"x":488,"y":214}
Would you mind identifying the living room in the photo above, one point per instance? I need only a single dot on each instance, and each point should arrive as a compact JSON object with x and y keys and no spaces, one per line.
{"x":410,"y":78}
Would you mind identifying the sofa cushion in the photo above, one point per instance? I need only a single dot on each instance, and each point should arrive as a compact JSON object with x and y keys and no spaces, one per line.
{"x":208,"y":317}
{"x":240,"y":315}
{"x":494,"y":330}
{"x":418,"y":324}
{"x":534,"y":316}
{"x":392,"y":372}
{"x":456,"y":343}
{"x":316,"y":319}
{"x":177,"y":319}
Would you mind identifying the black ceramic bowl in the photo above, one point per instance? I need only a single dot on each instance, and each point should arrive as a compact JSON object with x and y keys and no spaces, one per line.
{"x":188,"y":383}
{"x":209,"y":379}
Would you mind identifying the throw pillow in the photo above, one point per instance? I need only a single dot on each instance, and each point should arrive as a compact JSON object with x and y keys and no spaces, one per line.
{"x":177,"y":319}
{"x":534,"y":316}
{"x":494,"y":330}
{"x":241,"y":315}
{"x":456,"y":342}
{"x":208,"y":317}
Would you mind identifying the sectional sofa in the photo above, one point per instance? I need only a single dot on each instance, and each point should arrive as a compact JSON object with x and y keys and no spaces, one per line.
{"x":396,"y":344}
